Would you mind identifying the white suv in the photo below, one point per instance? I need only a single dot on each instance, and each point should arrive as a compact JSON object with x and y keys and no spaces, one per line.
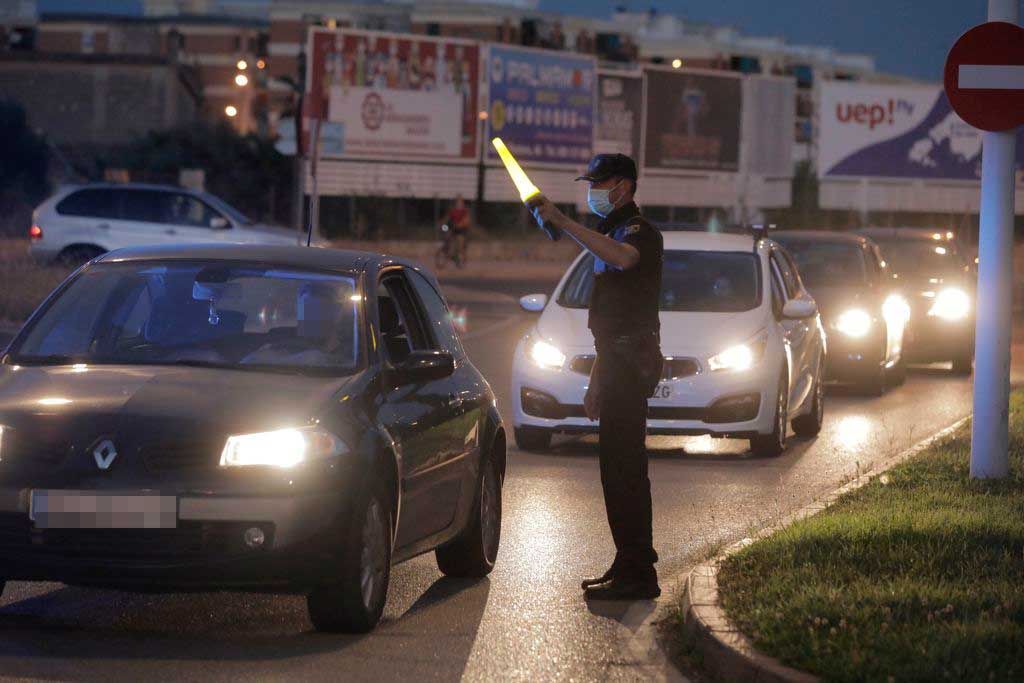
{"x":81,"y":222}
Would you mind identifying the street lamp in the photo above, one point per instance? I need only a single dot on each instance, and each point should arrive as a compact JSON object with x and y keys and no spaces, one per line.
{"x":676,"y":63}
{"x":231,"y":111}
{"x":241,"y":80}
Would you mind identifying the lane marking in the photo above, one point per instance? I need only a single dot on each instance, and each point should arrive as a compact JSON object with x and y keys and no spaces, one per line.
{"x":991,"y":77}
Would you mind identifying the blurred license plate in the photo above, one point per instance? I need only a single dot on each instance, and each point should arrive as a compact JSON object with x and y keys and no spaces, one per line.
{"x":663,"y":391}
{"x":57,"y":509}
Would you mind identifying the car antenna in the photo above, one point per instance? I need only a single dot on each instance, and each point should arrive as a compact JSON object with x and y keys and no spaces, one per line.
{"x":760,"y":231}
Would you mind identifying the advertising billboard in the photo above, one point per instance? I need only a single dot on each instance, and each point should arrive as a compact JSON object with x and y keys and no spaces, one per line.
{"x":692,"y":121}
{"x":395,"y":96}
{"x":542,"y":104}
{"x":895,"y":131}
{"x":620,"y":99}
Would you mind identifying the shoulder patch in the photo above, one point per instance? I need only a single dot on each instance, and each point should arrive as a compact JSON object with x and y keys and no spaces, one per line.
{"x":632,"y":228}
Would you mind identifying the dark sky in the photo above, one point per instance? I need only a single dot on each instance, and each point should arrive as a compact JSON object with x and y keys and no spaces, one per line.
{"x":909,"y":37}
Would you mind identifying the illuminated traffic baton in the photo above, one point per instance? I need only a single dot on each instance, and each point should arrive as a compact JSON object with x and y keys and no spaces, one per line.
{"x":528,"y":192}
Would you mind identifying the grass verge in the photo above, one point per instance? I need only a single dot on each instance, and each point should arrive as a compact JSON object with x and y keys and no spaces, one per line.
{"x":919,"y":575}
{"x":23,"y":283}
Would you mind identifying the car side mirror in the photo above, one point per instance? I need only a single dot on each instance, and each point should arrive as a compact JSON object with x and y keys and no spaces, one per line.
{"x":534,"y":303}
{"x":426,"y":366}
{"x":219,"y":223}
{"x":797,"y":309}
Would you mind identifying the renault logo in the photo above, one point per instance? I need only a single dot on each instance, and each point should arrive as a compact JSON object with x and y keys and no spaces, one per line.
{"x":104,"y":454}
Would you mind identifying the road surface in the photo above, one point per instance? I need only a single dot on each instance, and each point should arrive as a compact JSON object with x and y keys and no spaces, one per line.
{"x":528,"y":620}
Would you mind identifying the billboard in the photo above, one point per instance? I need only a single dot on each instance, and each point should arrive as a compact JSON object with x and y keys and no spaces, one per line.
{"x":895,"y":131}
{"x":542,"y":104}
{"x":692,"y":121}
{"x":395,"y":96}
{"x":620,"y":99}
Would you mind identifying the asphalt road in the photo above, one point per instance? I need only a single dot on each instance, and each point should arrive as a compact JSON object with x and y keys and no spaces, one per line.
{"x":528,"y":620}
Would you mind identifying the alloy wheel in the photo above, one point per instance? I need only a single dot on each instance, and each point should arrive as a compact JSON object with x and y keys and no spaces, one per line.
{"x":373,"y":559}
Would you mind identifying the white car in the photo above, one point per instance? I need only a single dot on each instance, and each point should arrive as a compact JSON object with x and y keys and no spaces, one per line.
{"x":743,"y":343}
{"x":81,"y":222}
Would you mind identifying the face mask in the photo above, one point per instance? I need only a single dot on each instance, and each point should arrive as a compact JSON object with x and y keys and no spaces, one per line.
{"x":600,"y":201}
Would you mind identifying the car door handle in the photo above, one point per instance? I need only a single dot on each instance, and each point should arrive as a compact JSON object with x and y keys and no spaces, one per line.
{"x":103,"y":226}
{"x":170,"y":231}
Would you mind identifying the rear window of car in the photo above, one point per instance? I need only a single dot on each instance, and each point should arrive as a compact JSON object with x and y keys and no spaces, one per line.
{"x":691,"y":281}
{"x":823,"y":264}
{"x":98,"y":203}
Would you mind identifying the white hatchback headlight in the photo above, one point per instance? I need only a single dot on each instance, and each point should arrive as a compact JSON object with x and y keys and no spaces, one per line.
{"x":951,"y":304}
{"x":284,"y":448}
{"x":854,"y":323}
{"x":546,"y":355}
{"x":741,"y":356}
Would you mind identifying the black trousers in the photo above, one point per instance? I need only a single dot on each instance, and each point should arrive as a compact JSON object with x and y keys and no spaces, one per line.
{"x":629,"y":367}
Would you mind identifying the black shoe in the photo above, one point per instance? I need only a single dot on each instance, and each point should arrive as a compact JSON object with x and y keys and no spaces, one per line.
{"x":624,"y":589}
{"x":587,"y":584}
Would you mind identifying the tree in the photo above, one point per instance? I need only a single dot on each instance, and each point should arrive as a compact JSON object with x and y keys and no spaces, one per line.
{"x":24,"y":157}
{"x":244,"y":170}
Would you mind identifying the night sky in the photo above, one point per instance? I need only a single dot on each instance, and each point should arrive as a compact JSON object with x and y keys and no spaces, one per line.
{"x":908,"y":37}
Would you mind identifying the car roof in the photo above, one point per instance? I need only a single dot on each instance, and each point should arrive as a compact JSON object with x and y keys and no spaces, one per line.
{"x":338,"y":260}
{"x":708,"y":241}
{"x":128,"y":186}
{"x":820,"y":236}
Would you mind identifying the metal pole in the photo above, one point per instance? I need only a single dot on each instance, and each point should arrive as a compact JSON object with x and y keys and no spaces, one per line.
{"x":990,"y":430}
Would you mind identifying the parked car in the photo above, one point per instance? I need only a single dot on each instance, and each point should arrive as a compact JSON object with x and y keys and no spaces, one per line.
{"x":81,"y":222}
{"x":251,"y":418}
{"x":864,"y":314}
{"x":743,"y":343}
{"x":939,"y":280}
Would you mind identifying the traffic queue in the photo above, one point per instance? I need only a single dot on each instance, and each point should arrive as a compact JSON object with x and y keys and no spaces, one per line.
{"x":291,"y":419}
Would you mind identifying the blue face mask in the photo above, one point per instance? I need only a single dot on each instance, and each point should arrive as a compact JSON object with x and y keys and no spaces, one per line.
{"x":600,"y":201}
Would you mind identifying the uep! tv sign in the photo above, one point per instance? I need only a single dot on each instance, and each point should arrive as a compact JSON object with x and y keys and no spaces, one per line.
{"x":874,"y":113}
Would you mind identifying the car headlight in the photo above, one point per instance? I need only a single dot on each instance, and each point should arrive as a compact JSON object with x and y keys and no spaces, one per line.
{"x":741,"y":356}
{"x":284,"y":448}
{"x":951,"y":304}
{"x":896,"y":310}
{"x":546,"y":355}
{"x":855,"y":323}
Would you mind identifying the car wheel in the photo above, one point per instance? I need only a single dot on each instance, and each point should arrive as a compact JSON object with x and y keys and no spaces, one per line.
{"x":474,"y":551}
{"x":355,"y":601}
{"x":72,"y":257}
{"x":963,"y":364}
{"x":810,"y":424}
{"x":772,"y":445}
{"x":898,"y":373}
{"x":535,"y":439}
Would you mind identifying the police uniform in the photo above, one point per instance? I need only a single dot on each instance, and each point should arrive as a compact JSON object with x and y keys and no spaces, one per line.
{"x":624,"y":321}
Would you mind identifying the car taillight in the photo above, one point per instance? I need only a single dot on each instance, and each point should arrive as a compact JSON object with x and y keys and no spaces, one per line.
{"x":35,"y":233}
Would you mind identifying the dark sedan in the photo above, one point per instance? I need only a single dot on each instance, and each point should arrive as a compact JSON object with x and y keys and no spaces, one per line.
{"x":252,"y":418}
{"x":863,"y":313}
{"x":938,"y":280}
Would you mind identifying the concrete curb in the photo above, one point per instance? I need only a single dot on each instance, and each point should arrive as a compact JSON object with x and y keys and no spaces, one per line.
{"x":728,"y":653}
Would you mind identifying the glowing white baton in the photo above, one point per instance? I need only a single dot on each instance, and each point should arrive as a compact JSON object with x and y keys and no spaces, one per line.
{"x":528,"y":192}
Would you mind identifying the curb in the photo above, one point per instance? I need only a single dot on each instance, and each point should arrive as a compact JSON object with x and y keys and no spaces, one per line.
{"x":728,"y":653}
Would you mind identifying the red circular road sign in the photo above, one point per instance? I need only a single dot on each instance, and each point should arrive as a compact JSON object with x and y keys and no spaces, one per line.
{"x":984,"y":76}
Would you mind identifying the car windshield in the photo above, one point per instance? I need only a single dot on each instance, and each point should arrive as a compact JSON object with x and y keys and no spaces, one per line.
{"x":922,"y":258}
{"x":691,"y":281}
{"x":199,"y":313}
{"x":236,"y":215}
{"x":827,"y":264}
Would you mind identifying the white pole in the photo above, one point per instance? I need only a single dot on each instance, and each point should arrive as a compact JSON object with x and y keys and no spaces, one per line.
{"x":990,"y":431}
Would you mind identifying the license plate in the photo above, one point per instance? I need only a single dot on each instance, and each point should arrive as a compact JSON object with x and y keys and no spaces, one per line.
{"x":57,"y":509}
{"x":663,"y":391}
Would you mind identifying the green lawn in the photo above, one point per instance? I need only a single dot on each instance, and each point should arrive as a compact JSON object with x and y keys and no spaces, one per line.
{"x":918,"y":575}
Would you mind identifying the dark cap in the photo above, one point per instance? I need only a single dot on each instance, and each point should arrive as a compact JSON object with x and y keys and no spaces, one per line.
{"x":604,"y":166}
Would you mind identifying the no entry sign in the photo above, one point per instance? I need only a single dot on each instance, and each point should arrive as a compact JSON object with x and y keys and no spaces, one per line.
{"x":984,"y":76}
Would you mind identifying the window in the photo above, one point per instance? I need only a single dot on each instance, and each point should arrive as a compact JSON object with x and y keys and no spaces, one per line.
{"x":778,"y":296}
{"x":141,"y":205}
{"x":183,"y":209}
{"x":401,"y":329}
{"x":787,"y":272}
{"x":439,"y":318}
{"x":824,"y":264}
{"x":88,"y":203}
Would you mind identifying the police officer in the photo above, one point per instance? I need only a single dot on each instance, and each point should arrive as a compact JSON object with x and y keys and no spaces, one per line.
{"x":624,"y":321}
